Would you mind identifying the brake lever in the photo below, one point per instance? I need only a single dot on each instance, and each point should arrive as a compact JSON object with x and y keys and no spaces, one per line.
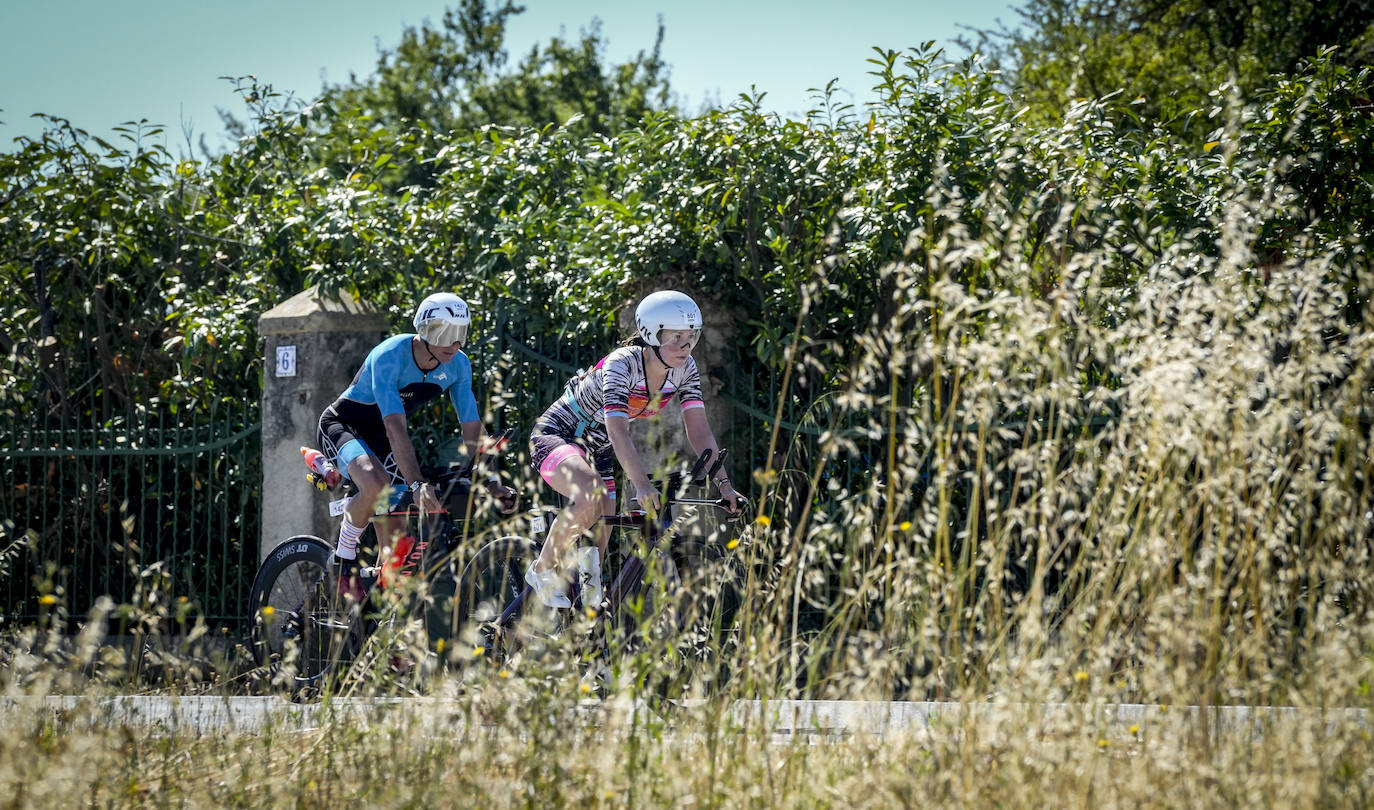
{"x":741,"y":508}
{"x":492,"y":447}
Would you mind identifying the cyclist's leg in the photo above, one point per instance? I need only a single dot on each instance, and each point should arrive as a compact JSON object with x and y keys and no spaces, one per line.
{"x":562,"y":462}
{"x":605,"y":467}
{"x":379,"y":491}
{"x":368,"y":475}
{"x":358,"y":458}
{"x":574,"y":477}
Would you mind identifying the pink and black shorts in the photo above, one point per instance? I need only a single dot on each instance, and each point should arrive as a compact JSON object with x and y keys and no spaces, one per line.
{"x":548,"y":448}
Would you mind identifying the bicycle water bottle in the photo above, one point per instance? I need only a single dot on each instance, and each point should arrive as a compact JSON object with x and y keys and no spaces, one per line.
{"x":326,"y":475}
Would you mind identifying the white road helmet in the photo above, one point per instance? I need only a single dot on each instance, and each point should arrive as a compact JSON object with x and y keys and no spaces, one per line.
{"x":442,"y":319}
{"x":665,"y":309}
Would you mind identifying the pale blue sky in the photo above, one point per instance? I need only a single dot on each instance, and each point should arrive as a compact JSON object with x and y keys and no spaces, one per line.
{"x":102,"y":62}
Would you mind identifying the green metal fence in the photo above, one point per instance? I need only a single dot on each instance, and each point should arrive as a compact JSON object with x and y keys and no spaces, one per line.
{"x":145,"y":507}
{"x":152,"y":502}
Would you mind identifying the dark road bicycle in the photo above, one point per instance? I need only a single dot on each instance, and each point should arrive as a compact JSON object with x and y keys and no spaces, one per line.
{"x":669,"y":588}
{"x":304,"y":633}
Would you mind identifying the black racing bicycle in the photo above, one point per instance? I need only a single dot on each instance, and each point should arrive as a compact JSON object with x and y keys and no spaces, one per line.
{"x":305,"y":634}
{"x":676,"y":595}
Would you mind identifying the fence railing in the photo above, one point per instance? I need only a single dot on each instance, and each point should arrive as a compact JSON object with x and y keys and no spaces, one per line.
{"x":140,"y":508}
{"x":155,"y":504}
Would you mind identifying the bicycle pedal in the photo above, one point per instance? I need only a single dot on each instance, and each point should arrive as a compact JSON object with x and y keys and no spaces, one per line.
{"x":292,"y":627}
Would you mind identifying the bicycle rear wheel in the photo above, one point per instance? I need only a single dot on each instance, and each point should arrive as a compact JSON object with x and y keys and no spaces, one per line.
{"x":298,"y":631}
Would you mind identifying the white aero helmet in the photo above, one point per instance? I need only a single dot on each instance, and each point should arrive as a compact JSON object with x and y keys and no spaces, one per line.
{"x":442,"y":319}
{"x":665,"y":309}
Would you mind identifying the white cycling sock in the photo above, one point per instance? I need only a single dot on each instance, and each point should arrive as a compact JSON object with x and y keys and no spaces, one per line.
{"x":589,"y":573}
{"x":347,"y":547}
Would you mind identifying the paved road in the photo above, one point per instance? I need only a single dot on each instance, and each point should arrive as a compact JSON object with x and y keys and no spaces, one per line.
{"x":810,"y":719}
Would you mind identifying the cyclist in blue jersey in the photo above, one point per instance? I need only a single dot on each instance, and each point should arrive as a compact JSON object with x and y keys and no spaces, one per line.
{"x":365,"y":431}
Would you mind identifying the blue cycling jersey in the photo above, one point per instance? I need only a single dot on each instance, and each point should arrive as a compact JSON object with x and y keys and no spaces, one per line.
{"x":390,"y":382}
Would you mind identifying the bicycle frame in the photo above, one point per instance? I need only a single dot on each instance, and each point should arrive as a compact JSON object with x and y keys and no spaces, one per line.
{"x":293,"y":582}
{"x":631,"y":575}
{"x":632,"y":571}
{"x":444,"y":525}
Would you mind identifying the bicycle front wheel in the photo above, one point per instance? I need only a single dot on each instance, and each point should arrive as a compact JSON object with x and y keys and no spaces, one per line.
{"x":485,"y":591}
{"x":686,"y":634}
{"x":298,"y":632}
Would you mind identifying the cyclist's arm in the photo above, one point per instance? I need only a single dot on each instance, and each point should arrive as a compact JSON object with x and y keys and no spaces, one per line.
{"x":618,"y":428}
{"x":473,"y":436}
{"x":386,"y":388}
{"x":464,"y":402}
{"x":465,"y":405}
{"x":699,"y":433}
{"x":617,"y":375}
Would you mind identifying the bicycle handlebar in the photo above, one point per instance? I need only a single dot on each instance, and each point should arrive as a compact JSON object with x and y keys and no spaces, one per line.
{"x":719,"y":503}
{"x":492,"y":447}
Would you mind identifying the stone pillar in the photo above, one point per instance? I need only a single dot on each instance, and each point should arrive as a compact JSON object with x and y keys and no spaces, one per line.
{"x":314,"y":345}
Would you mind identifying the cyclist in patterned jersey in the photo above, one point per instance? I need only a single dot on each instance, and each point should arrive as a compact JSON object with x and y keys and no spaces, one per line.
{"x":577,"y":441}
{"x":365,"y":434}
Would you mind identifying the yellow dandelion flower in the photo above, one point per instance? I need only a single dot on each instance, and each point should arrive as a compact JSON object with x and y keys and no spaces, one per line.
{"x":439,"y":646}
{"x":505,"y":673}
{"x":476,"y":651}
{"x":268,"y":610}
{"x":1080,"y":676}
{"x":763,"y":520}
{"x":733,"y":544}
{"x":1102,"y":743}
{"x":586,"y":688}
{"x":47,"y":599}
{"x":905,"y":526}
{"x":1135,"y":730}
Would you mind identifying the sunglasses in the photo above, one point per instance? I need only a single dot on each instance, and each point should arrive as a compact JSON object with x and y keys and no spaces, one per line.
{"x":680,"y":338}
{"x":445,"y":335}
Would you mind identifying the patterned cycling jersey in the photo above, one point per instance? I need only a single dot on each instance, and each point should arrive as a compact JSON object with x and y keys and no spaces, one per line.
{"x":390,"y":382}
{"x":617,"y":387}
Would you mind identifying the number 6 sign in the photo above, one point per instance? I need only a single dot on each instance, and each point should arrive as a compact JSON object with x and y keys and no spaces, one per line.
{"x":286,"y":361}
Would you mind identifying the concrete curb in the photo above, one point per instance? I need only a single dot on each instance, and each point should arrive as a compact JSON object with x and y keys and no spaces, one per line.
{"x":787,"y":718}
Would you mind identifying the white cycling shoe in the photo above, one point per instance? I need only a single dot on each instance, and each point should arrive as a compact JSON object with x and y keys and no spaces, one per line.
{"x":548,"y":586}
